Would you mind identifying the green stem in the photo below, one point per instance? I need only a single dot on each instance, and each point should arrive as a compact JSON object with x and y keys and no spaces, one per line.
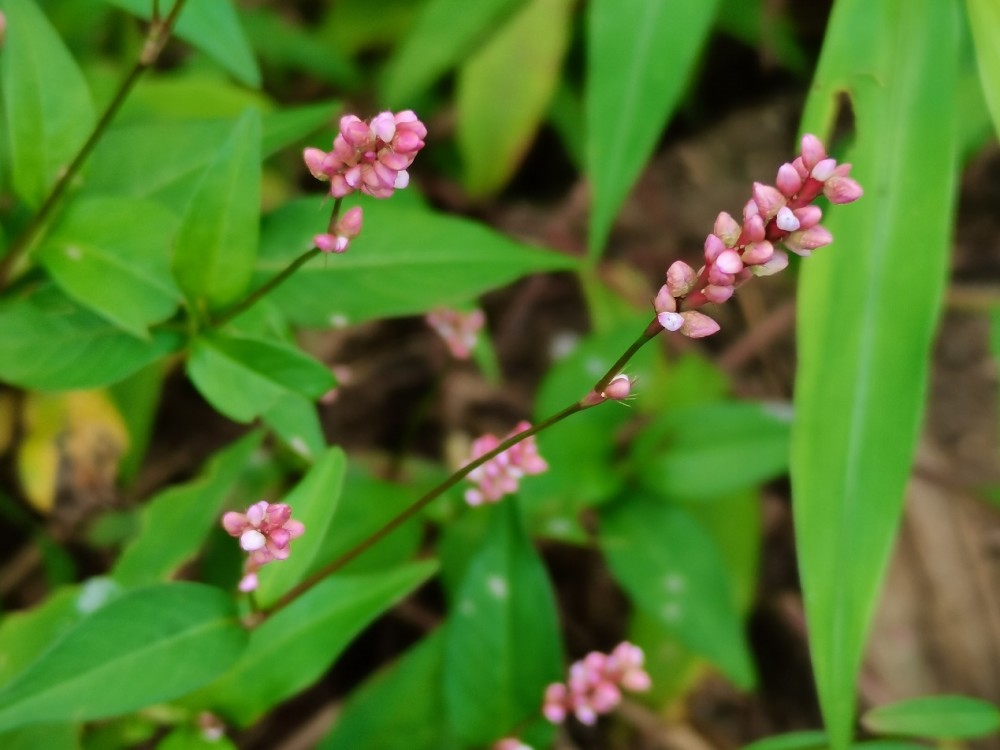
{"x":423,"y":501}
{"x":156,"y":38}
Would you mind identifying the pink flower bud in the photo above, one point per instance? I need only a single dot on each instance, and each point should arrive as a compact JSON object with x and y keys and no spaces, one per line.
{"x":698,"y":325}
{"x":812,"y":151}
{"x":349,"y":225}
{"x":671,"y":321}
{"x":681,"y":278}
{"x":727,"y":229}
{"x":383,"y":125}
{"x":805,"y":241}
{"x":718,"y":294}
{"x":758,"y":252}
{"x":788,"y":181}
{"x":808,"y":216}
{"x":719,"y":277}
{"x":800,"y":168}
{"x":620,"y":387}
{"x":754,"y":228}
{"x":786,"y":220}
{"x":354,"y":131}
{"x":713,"y":248}
{"x":823,"y":170}
{"x":778,"y":262}
{"x":729,"y":262}
{"x":316,"y":163}
{"x":768,"y":199}
{"x":750,"y":209}
{"x":840,"y":188}
{"x":664,"y":300}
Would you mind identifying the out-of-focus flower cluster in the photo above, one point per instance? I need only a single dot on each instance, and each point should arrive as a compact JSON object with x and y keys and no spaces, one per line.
{"x":735,"y":251}
{"x":369,"y":156}
{"x":458,"y":329}
{"x":595,"y":684}
{"x":502,"y":474}
{"x":510,"y":743}
{"x":345,"y":229}
{"x":264,"y":531}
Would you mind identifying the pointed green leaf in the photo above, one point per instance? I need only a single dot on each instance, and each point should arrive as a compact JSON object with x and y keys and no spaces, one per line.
{"x":50,"y":736}
{"x":984,"y":19}
{"x":244,"y":378}
{"x":504,"y":91}
{"x":314,"y":502}
{"x":295,"y":420}
{"x":174,"y":524}
{"x":804,"y":740}
{"x":217,"y":241}
{"x":48,"y":109}
{"x":50,"y":342}
{"x":293,"y":647}
{"x":406,"y":261}
{"x":502,"y":645}
{"x":946,"y":717}
{"x":868,"y":310}
{"x":148,"y":646}
{"x":640,"y":55}
{"x":120,"y":244}
{"x":673,"y":571}
{"x":213,"y":27}
{"x":445,"y":32}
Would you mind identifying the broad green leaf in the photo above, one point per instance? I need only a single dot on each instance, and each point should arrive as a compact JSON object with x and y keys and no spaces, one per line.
{"x":640,"y":55}
{"x":217,"y":242}
{"x":445,"y":32}
{"x":48,"y":109}
{"x":502,"y":644}
{"x":672,"y":667}
{"x":293,"y":647}
{"x":407,"y":260}
{"x":504,"y":90}
{"x":50,"y":736}
{"x":213,"y":27}
{"x":174,"y":524}
{"x":148,"y":646}
{"x":804,"y":740}
{"x":711,"y":449}
{"x":51,"y":343}
{"x":243,"y":377}
{"x":400,"y":708}
{"x":186,"y":96}
{"x":951,"y":717}
{"x":294,"y":419}
{"x":194,"y":738}
{"x":673,"y":571}
{"x":984,"y":19}
{"x":137,"y":398}
{"x":314,"y":502}
{"x":869,"y":306}
{"x":119,"y":244}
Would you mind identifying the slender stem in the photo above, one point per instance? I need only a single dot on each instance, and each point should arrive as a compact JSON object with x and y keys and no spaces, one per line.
{"x":422,"y":502}
{"x":156,"y":38}
{"x":271,"y":284}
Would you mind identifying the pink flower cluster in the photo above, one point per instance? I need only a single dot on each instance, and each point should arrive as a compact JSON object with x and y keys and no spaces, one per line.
{"x":458,"y":329}
{"x":264,"y":531}
{"x":346,"y":229}
{"x":735,"y":252}
{"x":369,"y":156}
{"x":595,"y":683}
{"x":502,"y":474}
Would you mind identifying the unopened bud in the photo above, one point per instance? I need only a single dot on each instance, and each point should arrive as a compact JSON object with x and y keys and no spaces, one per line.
{"x":823,"y":170}
{"x":729,"y":262}
{"x":698,"y":325}
{"x":727,"y":229}
{"x":757,"y":253}
{"x":619,"y":387}
{"x":718,"y":294}
{"x":778,"y":262}
{"x":681,"y":278}
{"x":713,"y":248}
{"x":664,"y":300}
{"x":788,"y":181}
{"x":671,"y":321}
{"x":786,"y":220}
{"x":812,"y":151}
{"x":768,"y":199}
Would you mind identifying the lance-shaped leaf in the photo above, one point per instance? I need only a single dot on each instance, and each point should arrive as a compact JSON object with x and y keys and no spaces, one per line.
{"x":46,"y":101}
{"x":243,"y":377}
{"x":502,"y":644}
{"x":407,"y":260}
{"x":952,"y":717}
{"x":50,"y":342}
{"x":640,"y":54}
{"x":119,"y":244}
{"x":213,"y":27}
{"x":217,"y":241}
{"x":148,"y":646}
{"x":672,"y":570}
{"x":868,"y":309}
{"x":984,"y":19}
{"x":293,"y":647}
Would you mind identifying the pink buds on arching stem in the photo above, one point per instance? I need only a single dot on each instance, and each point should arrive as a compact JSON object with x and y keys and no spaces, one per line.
{"x":501,"y":475}
{"x":595,"y":683}
{"x":264,"y":531}
{"x":736,"y":252}
{"x":346,"y":229}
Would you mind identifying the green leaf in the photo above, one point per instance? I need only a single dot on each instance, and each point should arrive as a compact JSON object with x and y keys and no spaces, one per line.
{"x":673,"y":571}
{"x":293,"y":647}
{"x":946,"y":717}
{"x":805,"y":740}
{"x":120,"y":244}
{"x":213,"y":27}
{"x":502,"y":645}
{"x":640,"y":55}
{"x":400,"y":708}
{"x":984,"y":19}
{"x":504,"y":90}
{"x":314,"y":502}
{"x":175,"y":523}
{"x":51,"y":343}
{"x":869,"y":307}
{"x":244,"y":378}
{"x":49,"y":736}
{"x":407,"y":260}
{"x":294,"y":419}
{"x":445,"y":32}
{"x":148,"y":646}
{"x":48,"y":109}
{"x":711,"y":449}
{"x":217,"y":241}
